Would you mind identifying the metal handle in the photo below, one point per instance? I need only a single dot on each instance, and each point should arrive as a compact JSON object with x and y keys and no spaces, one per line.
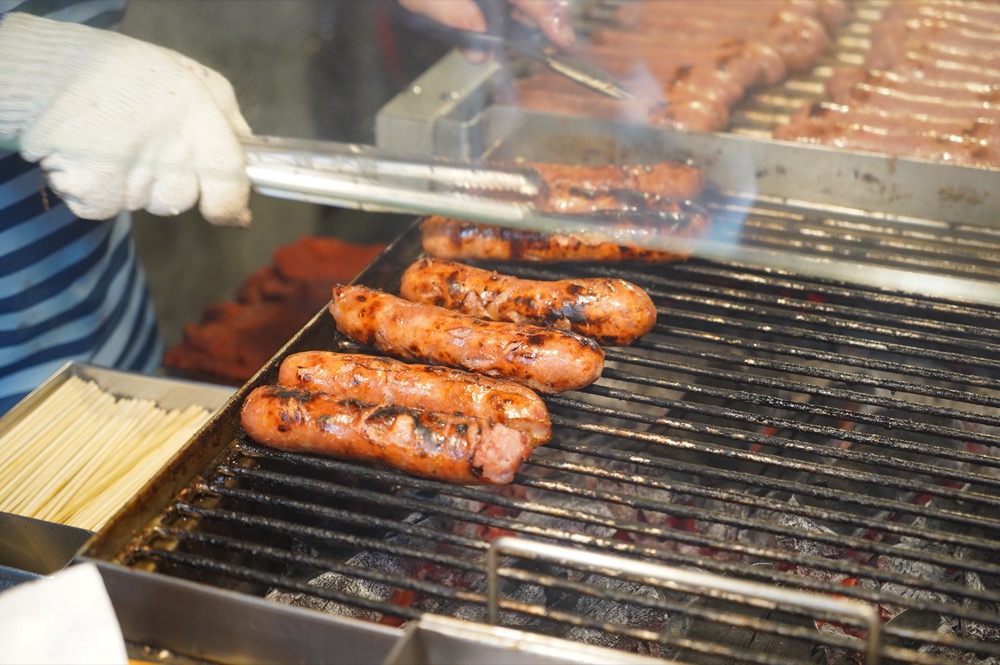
{"x":685,"y":579}
{"x":360,"y":176}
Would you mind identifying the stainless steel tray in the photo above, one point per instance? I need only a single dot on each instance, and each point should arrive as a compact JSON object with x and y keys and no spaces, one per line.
{"x":901,"y":200}
{"x":451,"y":111}
{"x":30,"y":548}
{"x":168,"y":620}
{"x":168,"y":393}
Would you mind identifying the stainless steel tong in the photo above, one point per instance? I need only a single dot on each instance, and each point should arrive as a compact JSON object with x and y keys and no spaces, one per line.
{"x":363,"y":177}
{"x":505,"y":31}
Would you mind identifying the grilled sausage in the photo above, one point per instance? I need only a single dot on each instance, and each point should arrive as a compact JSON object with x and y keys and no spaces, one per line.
{"x":546,"y":360}
{"x":795,"y":40}
{"x":611,"y":311}
{"x":449,"y":238}
{"x":879,"y":118}
{"x":892,"y":91}
{"x":901,"y":141}
{"x":749,"y":62}
{"x":579,"y":188}
{"x":378,"y":380}
{"x":456,"y":449}
{"x":679,"y":107}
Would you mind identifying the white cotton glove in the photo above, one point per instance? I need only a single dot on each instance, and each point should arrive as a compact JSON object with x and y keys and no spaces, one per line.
{"x":120,"y":124}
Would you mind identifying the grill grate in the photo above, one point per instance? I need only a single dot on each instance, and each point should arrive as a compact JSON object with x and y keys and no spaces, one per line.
{"x":797,"y":432}
{"x":765,"y":108}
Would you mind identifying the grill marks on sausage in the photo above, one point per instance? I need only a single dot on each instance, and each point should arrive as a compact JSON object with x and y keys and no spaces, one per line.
{"x":571,"y":188}
{"x":377,"y":380}
{"x":436,"y":445}
{"x":927,"y":89}
{"x":610,"y":311}
{"x":630,"y":224}
{"x":546,"y":360}
{"x":688,"y":66}
{"x":660,"y":242}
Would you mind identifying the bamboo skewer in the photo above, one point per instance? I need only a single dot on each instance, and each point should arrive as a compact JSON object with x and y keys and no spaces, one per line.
{"x":82,"y":453}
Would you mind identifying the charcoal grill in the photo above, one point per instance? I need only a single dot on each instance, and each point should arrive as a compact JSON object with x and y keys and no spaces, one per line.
{"x":799,"y":464}
{"x":797,"y":432}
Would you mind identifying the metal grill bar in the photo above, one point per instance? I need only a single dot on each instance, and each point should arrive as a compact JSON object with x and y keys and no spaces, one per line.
{"x":932,"y":314}
{"x":812,"y":372}
{"x":820,"y":430}
{"x":890,"y":325}
{"x":832,"y":432}
{"x":800,"y":432}
{"x":251,"y":497}
{"x":691,"y":581}
{"x":742,"y":498}
{"x":757,"y":115}
{"x":812,"y":468}
{"x":285,"y":528}
{"x":752,"y":390}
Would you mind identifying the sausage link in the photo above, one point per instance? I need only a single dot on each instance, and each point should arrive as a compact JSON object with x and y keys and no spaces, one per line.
{"x":678,"y":106}
{"x":456,"y":449}
{"x":579,"y":188}
{"x":613,"y":312}
{"x":546,"y":360}
{"x":378,"y":380}
{"x":449,"y":238}
{"x":962,"y":147}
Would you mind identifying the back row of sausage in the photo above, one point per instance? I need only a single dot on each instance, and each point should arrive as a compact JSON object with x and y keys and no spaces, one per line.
{"x":928,"y":88}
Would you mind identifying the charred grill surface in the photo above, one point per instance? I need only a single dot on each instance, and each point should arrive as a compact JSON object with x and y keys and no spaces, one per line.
{"x":798,"y":432}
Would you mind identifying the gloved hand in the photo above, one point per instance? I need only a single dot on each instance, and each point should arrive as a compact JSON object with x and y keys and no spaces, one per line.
{"x":117,"y":123}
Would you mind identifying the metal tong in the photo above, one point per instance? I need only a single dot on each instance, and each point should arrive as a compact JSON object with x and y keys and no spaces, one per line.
{"x":363,"y":177}
{"x":506,"y":31}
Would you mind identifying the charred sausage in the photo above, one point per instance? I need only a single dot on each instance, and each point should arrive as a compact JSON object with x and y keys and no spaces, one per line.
{"x":749,"y":62}
{"x":892,"y":91}
{"x":961,"y":147}
{"x":580,"y":188}
{"x":611,"y":311}
{"x":444,"y":446}
{"x":377,"y":380}
{"x":881,"y":118}
{"x":546,"y":360}
{"x":681,"y":107}
{"x":449,"y":238}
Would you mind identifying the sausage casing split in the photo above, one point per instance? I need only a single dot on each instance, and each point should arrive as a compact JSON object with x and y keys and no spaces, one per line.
{"x":613,"y":312}
{"x":377,"y":380}
{"x":456,"y":449}
{"x":549,"y":361}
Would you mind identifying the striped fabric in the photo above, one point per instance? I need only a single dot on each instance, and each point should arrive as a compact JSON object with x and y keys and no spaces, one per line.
{"x":70,"y":289}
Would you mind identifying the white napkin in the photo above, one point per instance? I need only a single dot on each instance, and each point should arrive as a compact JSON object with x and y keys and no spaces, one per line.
{"x":64,"y":619}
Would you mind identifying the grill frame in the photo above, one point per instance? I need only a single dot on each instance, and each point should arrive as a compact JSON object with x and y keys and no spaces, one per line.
{"x":171,"y":514}
{"x":856,"y":228}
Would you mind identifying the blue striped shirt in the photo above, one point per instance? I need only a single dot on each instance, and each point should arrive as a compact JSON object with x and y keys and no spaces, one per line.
{"x":70,"y":289}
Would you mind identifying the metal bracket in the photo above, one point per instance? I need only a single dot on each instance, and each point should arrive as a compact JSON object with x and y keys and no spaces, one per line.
{"x":681,"y":580}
